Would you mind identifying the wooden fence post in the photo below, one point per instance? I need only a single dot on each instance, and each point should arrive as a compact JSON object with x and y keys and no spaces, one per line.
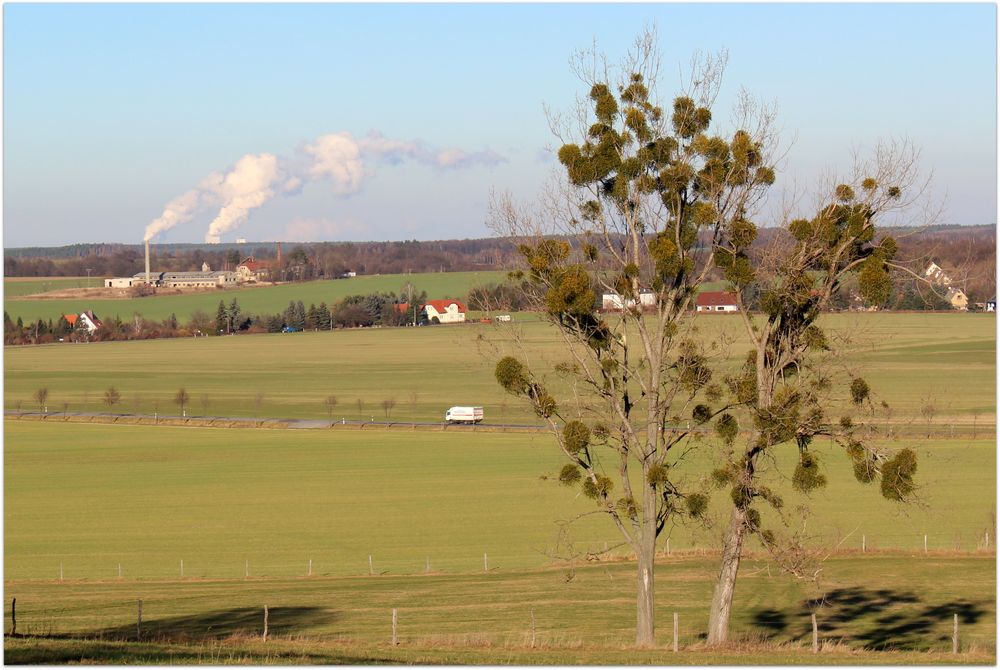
{"x":486,"y":563}
{"x":13,"y":617}
{"x":954,"y":637}
{"x":265,"y":623}
{"x":310,"y":567}
{"x":815,"y":634}
{"x":427,"y":566}
{"x":395,"y":639}
{"x":138,"y":623}
{"x":676,"y":631}
{"x":925,"y":543}
{"x":862,"y":544}
{"x":60,"y":571}
{"x":371,"y":566}
{"x":532,"y":627}
{"x":246,"y":569}
{"x":182,"y":567}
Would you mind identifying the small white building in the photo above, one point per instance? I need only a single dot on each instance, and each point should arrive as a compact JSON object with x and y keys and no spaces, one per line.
{"x":614,"y":302}
{"x":445,"y":311}
{"x":716,"y":301}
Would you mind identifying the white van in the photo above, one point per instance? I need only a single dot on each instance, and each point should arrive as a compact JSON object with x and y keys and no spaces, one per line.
{"x":464,"y":415}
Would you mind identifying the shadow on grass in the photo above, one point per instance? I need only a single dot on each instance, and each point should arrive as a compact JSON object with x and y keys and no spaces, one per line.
{"x":238,"y":621}
{"x":872,"y":618}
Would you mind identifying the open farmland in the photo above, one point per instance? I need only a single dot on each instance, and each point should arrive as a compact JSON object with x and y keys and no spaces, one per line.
{"x":252,"y":299}
{"x":15,"y":287}
{"x":93,"y":496}
{"x":86,"y":499}
{"x":932,"y":369}
{"x":486,"y":618}
{"x":247,"y":510}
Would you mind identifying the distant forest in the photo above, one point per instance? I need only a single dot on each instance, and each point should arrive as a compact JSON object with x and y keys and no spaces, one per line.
{"x":966,"y":253}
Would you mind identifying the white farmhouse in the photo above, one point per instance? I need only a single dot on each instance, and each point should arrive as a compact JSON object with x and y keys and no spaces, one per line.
{"x":445,"y":311}
{"x":716,"y":301}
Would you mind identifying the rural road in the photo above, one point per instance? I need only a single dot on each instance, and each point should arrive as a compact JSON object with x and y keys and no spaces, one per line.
{"x":264,"y":422}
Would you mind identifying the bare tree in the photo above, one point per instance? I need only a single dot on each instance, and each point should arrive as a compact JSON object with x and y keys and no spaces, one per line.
{"x":204,"y":404}
{"x":41,"y":396}
{"x":644,"y":197}
{"x":387,"y":406}
{"x":361,"y":408}
{"x":181,"y":398}
{"x":112,"y":397}
{"x":331,"y":404}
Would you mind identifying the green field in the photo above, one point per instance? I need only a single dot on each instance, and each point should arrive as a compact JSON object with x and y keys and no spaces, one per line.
{"x":252,"y":300}
{"x":14,"y":287}
{"x":581,"y":616}
{"x":87,"y":500}
{"x":945,"y":361}
{"x":91,"y":497}
{"x":83,"y":500}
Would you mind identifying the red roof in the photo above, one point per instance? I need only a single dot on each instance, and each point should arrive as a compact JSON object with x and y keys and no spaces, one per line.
{"x":442,"y":305}
{"x":252,"y":264}
{"x":715,"y":298}
{"x":71,"y":318}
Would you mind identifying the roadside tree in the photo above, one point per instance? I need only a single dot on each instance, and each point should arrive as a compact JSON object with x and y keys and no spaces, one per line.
{"x":41,"y":397}
{"x":112,"y":397}
{"x":181,"y":398}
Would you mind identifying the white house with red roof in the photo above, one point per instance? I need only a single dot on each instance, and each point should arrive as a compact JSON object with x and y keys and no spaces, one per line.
{"x":445,"y":311}
{"x":716,"y":301}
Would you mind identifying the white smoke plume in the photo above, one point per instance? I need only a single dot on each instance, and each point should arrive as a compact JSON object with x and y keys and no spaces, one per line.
{"x":250,"y":184}
{"x":180,"y":210}
{"x":395,"y":151}
{"x":337,"y":158}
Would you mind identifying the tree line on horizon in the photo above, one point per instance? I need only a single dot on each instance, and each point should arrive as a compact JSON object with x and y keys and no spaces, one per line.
{"x":967,"y":253}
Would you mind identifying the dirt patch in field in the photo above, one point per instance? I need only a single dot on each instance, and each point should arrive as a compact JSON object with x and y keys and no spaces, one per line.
{"x":102,"y":293}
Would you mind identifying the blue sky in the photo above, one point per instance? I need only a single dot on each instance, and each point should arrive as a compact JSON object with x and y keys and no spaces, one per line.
{"x":111,"y":111}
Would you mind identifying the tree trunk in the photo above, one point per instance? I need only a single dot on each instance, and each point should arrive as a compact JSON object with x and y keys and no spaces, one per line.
{"x":644,"y":623}
{"x":722,"y":598}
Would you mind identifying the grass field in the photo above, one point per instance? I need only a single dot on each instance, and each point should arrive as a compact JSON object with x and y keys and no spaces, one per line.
{"x":14,"y":287}
{"x":91,"y":497}
{"x":581,"y":616}
{"x":913,"y":361}
{"x":84,"y":499}
{"x":252,"y":300}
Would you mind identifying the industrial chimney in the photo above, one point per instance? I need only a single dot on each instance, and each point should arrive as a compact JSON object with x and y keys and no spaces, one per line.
{"x":147,"y":262}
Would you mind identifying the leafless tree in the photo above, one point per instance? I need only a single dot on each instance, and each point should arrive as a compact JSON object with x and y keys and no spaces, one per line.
{"x":387,"y":405}
{"x":181,"y":398}
{"x":41,"y":396}
{"x":112,"y":397}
